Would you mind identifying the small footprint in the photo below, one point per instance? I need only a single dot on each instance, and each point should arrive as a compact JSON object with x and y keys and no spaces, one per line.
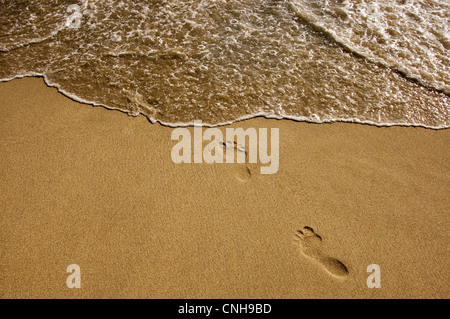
{"x":244,"y":171}
{"x":310,"y":244}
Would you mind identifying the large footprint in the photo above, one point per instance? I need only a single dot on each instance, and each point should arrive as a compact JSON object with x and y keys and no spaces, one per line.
{"x":310,"y":244}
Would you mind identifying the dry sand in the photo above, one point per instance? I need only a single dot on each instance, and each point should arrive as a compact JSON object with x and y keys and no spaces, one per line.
{"x":94,"y":187}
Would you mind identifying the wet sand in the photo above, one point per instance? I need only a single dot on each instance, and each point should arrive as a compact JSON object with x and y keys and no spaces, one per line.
{"x":97,"y":188}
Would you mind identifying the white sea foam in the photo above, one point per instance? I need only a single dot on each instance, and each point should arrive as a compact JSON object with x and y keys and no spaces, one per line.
{"x":223,"y":61}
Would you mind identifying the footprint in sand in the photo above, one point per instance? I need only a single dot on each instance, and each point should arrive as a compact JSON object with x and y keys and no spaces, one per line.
{"x":310,"y":244}
{"x":244,"y":171}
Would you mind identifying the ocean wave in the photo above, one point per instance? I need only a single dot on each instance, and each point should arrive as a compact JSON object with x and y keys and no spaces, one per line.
{"x":410,"y":36}
{"x":218,"y":61}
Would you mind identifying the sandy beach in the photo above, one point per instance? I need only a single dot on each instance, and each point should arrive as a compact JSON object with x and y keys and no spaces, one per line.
{"x":94,"y":187}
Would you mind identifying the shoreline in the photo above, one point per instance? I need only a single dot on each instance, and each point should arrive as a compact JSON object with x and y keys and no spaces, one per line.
{"x":240,"y":119}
